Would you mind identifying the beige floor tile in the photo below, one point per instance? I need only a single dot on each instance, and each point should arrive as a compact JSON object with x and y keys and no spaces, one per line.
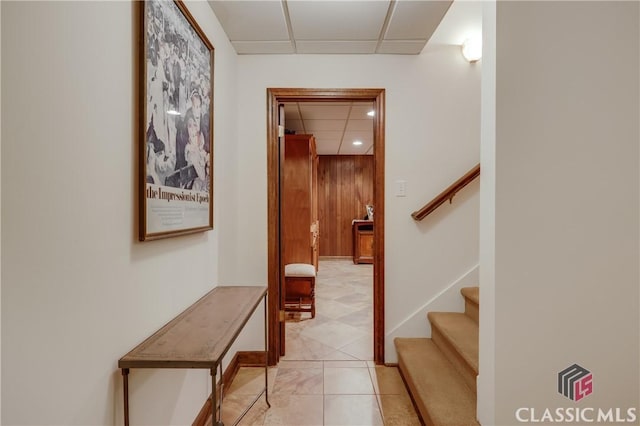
{"x":299,"y":381}
{"x":397,"y":410}
{"x":302,"y":318}
{"x":339,"y":356}
{"x":334,"y":309}
{"x":305,"y":349}
{"x":344,"y":304}
{"x":355,"y":363}
{"x":327,"y":376}
{"x":347,"y":380}
{"x":334,"y":334}
{"x":327,"y":292}
{"x":387,"y":380}
{"x":300,"y":364}
{"x":362,"y":318}
{"x":298,"y":410}
{"x":351,"y":410}
{"x":234,"y":405}
{"x":361,"y":348}
{"x":356,"y":300}
{"x":250,"y":381}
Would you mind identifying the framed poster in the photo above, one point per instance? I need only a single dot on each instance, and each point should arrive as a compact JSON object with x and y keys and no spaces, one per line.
{"x":176,"y":115}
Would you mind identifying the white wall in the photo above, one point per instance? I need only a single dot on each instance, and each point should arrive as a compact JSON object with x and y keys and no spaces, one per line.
{"x":566,"y":203}
{"x":432,"y":138}
{"x":78,"y":289}
{"x":448,"y":299}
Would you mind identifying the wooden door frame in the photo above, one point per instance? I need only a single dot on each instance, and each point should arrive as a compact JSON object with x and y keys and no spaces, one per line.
{"x":279,"y":95}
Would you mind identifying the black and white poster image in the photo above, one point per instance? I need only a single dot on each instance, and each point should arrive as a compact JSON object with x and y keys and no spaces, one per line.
{"x":178,"y":134}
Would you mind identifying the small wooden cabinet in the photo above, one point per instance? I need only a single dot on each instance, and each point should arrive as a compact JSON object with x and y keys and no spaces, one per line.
{"x":362,"y":241}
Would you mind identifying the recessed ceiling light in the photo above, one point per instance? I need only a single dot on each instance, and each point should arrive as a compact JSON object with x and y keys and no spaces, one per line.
{"x":371,"y":113}
{"x":357,"y":143}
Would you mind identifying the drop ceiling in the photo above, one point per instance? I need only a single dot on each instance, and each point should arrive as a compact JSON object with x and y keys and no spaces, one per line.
{"x":335,"y":125}
{"x":329,"y":26}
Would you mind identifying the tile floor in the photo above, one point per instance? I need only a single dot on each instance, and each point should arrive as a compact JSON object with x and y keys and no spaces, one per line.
{"x":327,"y":376}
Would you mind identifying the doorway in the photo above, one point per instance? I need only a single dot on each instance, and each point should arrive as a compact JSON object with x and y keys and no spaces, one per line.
{"x":275,"y":315}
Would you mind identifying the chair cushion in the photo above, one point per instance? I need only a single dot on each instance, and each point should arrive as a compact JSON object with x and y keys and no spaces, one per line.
{"x":299,"y":270}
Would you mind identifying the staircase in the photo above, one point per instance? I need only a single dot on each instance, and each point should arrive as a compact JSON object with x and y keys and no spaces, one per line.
{"x":441,"y":371}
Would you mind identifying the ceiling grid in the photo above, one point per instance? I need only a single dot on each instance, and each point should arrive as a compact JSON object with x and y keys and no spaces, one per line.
{"x":329,"y":27}
{"x":401,"y":27}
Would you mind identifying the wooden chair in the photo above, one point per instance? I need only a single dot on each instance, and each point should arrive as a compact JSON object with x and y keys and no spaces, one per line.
{"x":300,"y":287}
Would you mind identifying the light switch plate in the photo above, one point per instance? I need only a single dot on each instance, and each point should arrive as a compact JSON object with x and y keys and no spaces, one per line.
{"x":401,"y":188}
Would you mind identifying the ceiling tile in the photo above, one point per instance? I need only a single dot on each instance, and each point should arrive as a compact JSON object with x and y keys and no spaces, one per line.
{"x":337,"y":20}
{"x":362,"y":135}
{"x":463,"y":20}
{"x":404,"y":47}
{"x":336,"y":103}
{"x":294,"y":125}
{"x":337,"y":47}
{"x":415,"y":20}
{"x":251,"y":20}
{"x":328,"y":134}
{"x":291,"y":111}
{"x":262,"y":47}
{"x":359,"y":111}
{"x":346,"y":26}
{"x":350,"y":149}
{"x":324,"y":125}
{"x":327,"y":146}
{"x":360,"y":126}
{"x":324,"y":111}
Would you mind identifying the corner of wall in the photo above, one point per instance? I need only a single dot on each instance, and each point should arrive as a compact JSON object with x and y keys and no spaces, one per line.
{"x":486,"y":377}
{"x":0,"y":204}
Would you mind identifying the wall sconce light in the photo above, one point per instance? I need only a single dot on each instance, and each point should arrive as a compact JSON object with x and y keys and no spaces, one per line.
{"x":472,"y":49}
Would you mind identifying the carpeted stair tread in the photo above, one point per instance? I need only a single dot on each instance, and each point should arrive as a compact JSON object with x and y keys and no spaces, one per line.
{"x":440,"y":393}
{"x":461,"y":332}
{"x":471,"y":293}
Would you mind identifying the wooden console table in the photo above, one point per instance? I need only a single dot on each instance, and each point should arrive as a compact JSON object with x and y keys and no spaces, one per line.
{"x":199,"y":338}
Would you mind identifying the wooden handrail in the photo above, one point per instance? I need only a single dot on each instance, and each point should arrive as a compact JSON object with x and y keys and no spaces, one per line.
{"x":447,"y":194}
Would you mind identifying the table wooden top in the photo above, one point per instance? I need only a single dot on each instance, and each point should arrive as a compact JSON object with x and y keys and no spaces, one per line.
{"x":201,"y":335}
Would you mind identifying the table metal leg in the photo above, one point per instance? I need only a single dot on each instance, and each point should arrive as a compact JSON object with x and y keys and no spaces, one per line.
{"x":221,"y":396}
{"x":215,"y":413}
{"x":125,"y":386}
{"x":266,"y":356}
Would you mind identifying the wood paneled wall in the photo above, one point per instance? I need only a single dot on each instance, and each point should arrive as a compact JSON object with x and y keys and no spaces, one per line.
{"x":345,"y":187}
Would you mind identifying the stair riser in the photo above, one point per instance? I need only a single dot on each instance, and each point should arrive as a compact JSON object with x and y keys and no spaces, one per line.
{"x":419,"y":403}
{"x":465,"y":370}
{"x":472,"y":310}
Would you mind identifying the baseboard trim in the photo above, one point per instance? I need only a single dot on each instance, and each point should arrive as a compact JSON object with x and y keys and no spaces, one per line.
{"x":240,"y":359}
